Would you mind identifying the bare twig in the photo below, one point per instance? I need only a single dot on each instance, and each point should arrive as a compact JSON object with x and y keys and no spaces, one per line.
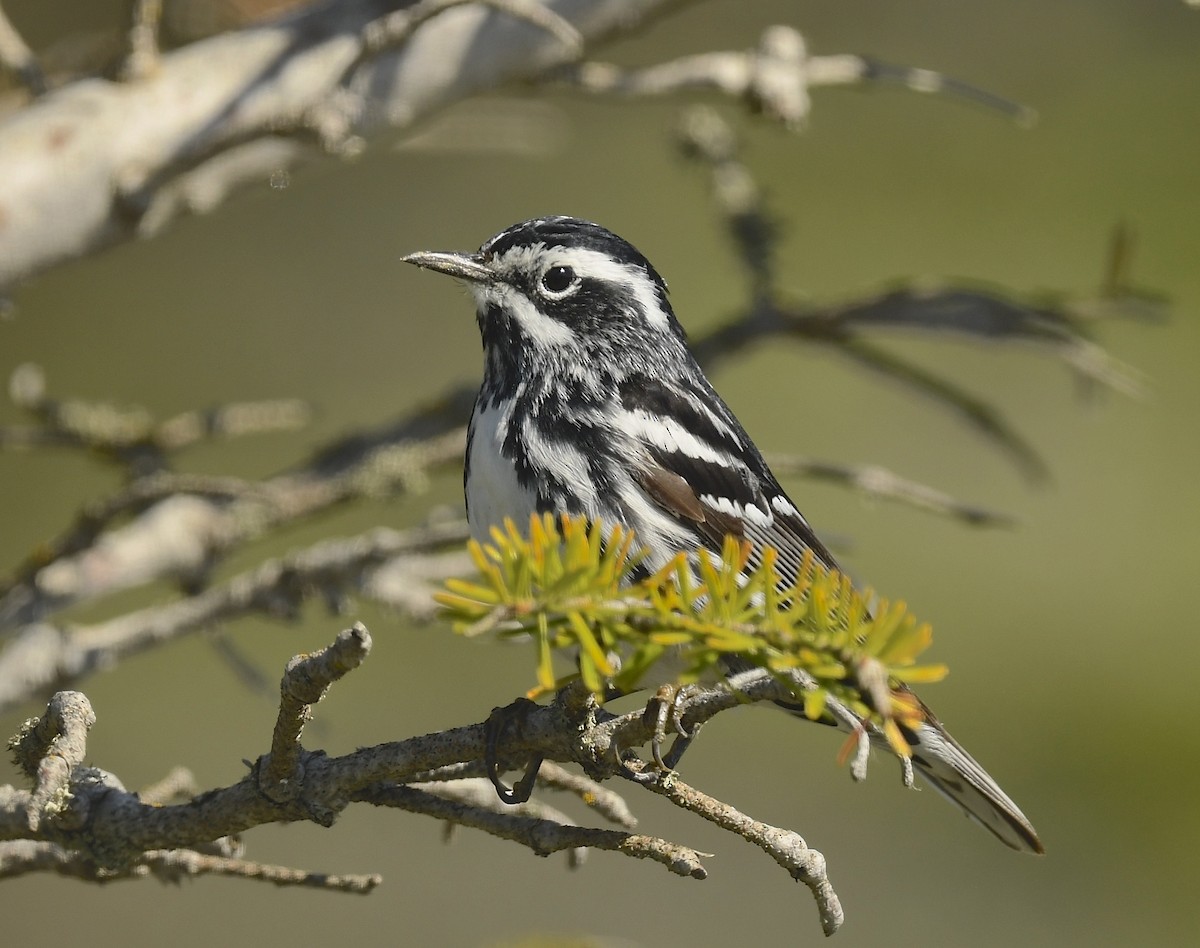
{"x":788,"y":849}
{"x":396,"y":28}
{"x":982,"y":314}
{"x":130,"y":435}
{"x":305,"y":681}
{"x":144,"y":56}
{"x":17,"y":58}
{"x":478,"y":793}
{"x":24,"y":856}
{"x":540,"y":835}
{"x":50,"y":748}
{"x":173,"y":864}
{"x":44,"y":656}
{"x":879,"y":482}
{"x":983,"y":417}
{"x":775,"y":77}
{"x":608,"y":803}
{"x":704,"y":136}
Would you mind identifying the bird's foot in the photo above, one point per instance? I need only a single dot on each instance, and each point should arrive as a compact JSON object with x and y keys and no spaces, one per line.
{"x":505,"y":724}
{"x":664,"y":712}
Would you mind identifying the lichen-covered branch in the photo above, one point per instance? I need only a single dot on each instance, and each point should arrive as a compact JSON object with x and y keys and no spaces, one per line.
{"x":542,"y":836}
{"x":787,"y":848}
{"x":99,"y":831}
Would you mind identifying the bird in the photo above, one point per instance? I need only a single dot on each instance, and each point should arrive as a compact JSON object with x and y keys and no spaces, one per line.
{"x":593,"y":404}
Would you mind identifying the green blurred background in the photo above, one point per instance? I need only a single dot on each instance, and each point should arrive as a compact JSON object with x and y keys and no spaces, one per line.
{"x":1070,"y":638}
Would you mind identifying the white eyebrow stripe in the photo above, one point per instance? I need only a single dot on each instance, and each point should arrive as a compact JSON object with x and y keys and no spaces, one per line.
{"x":600,"y":266}
{"x":592,"y":264}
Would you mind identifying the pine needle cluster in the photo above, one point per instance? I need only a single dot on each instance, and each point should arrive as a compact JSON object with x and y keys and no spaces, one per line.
{"x":571,"y":584}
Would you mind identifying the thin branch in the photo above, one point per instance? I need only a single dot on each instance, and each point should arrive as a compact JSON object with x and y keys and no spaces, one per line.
{"x":540,"y":835}
{"x":22,"y":857}
{"x":50,"y":748}
{"x":607,"y":803}
{"x":18,"y":59}
{"x":113,"y":431}
{"x":774,"y":77}
{"x":46,"y":657}
{"x":144,"y":56}
{"x":984,"y":418}
{"x":706,"y":137}
{"x":306,"y":680}
{"x":852,"y":70}
{"x":395,"y":29}
{"x":989,"y":315}
{"x":879,"y":482}
{"x":478,"y":793}
{"x":174,"y":864}
{"x":788,"y":849}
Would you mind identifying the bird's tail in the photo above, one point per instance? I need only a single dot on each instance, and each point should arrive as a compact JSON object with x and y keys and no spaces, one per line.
{"x":953,"y":773}
{"x":949,"y":769}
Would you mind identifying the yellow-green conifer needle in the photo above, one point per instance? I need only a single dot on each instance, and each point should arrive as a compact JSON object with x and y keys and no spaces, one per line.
{"x":909,"y":641}
{"x":589,"y":645}
{"x":896,"y":739}
{"x":466,"y":589}
{"x":567,"y":583}
{"x":920,"y":674}
{"x":887,"y":619}
{"x":832,"y":670}
{"x":545,"y":668}
{"x":539,"y":532}
{"x":814,"y":703}
{"x":478,"y":557}
{"x":592,"y":677}
{"x":731,"y":641}
{"x":668,"y":639}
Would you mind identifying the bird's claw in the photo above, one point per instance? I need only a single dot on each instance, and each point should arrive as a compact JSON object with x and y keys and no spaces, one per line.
{"x":501,"y":723}
{"x":640,"y":773}
{"x":665,"y":711}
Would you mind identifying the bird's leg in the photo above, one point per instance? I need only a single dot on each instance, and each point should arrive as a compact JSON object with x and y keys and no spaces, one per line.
{"x":665,"y":710}
{"x":500,"y":725}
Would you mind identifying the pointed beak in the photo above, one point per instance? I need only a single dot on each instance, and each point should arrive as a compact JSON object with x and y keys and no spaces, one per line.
{"x":465,"y":266}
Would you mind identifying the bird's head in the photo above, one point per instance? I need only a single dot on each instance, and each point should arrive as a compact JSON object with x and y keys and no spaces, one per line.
{"x":555,"y":293}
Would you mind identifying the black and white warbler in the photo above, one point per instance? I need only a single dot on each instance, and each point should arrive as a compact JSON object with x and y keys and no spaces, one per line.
{"x":592,"y":404}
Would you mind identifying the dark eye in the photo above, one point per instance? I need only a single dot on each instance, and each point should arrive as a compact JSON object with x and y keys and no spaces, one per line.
{"x":558,"y":279}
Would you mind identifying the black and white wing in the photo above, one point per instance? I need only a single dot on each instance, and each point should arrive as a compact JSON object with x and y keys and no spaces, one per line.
{"x":699,"y":466}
